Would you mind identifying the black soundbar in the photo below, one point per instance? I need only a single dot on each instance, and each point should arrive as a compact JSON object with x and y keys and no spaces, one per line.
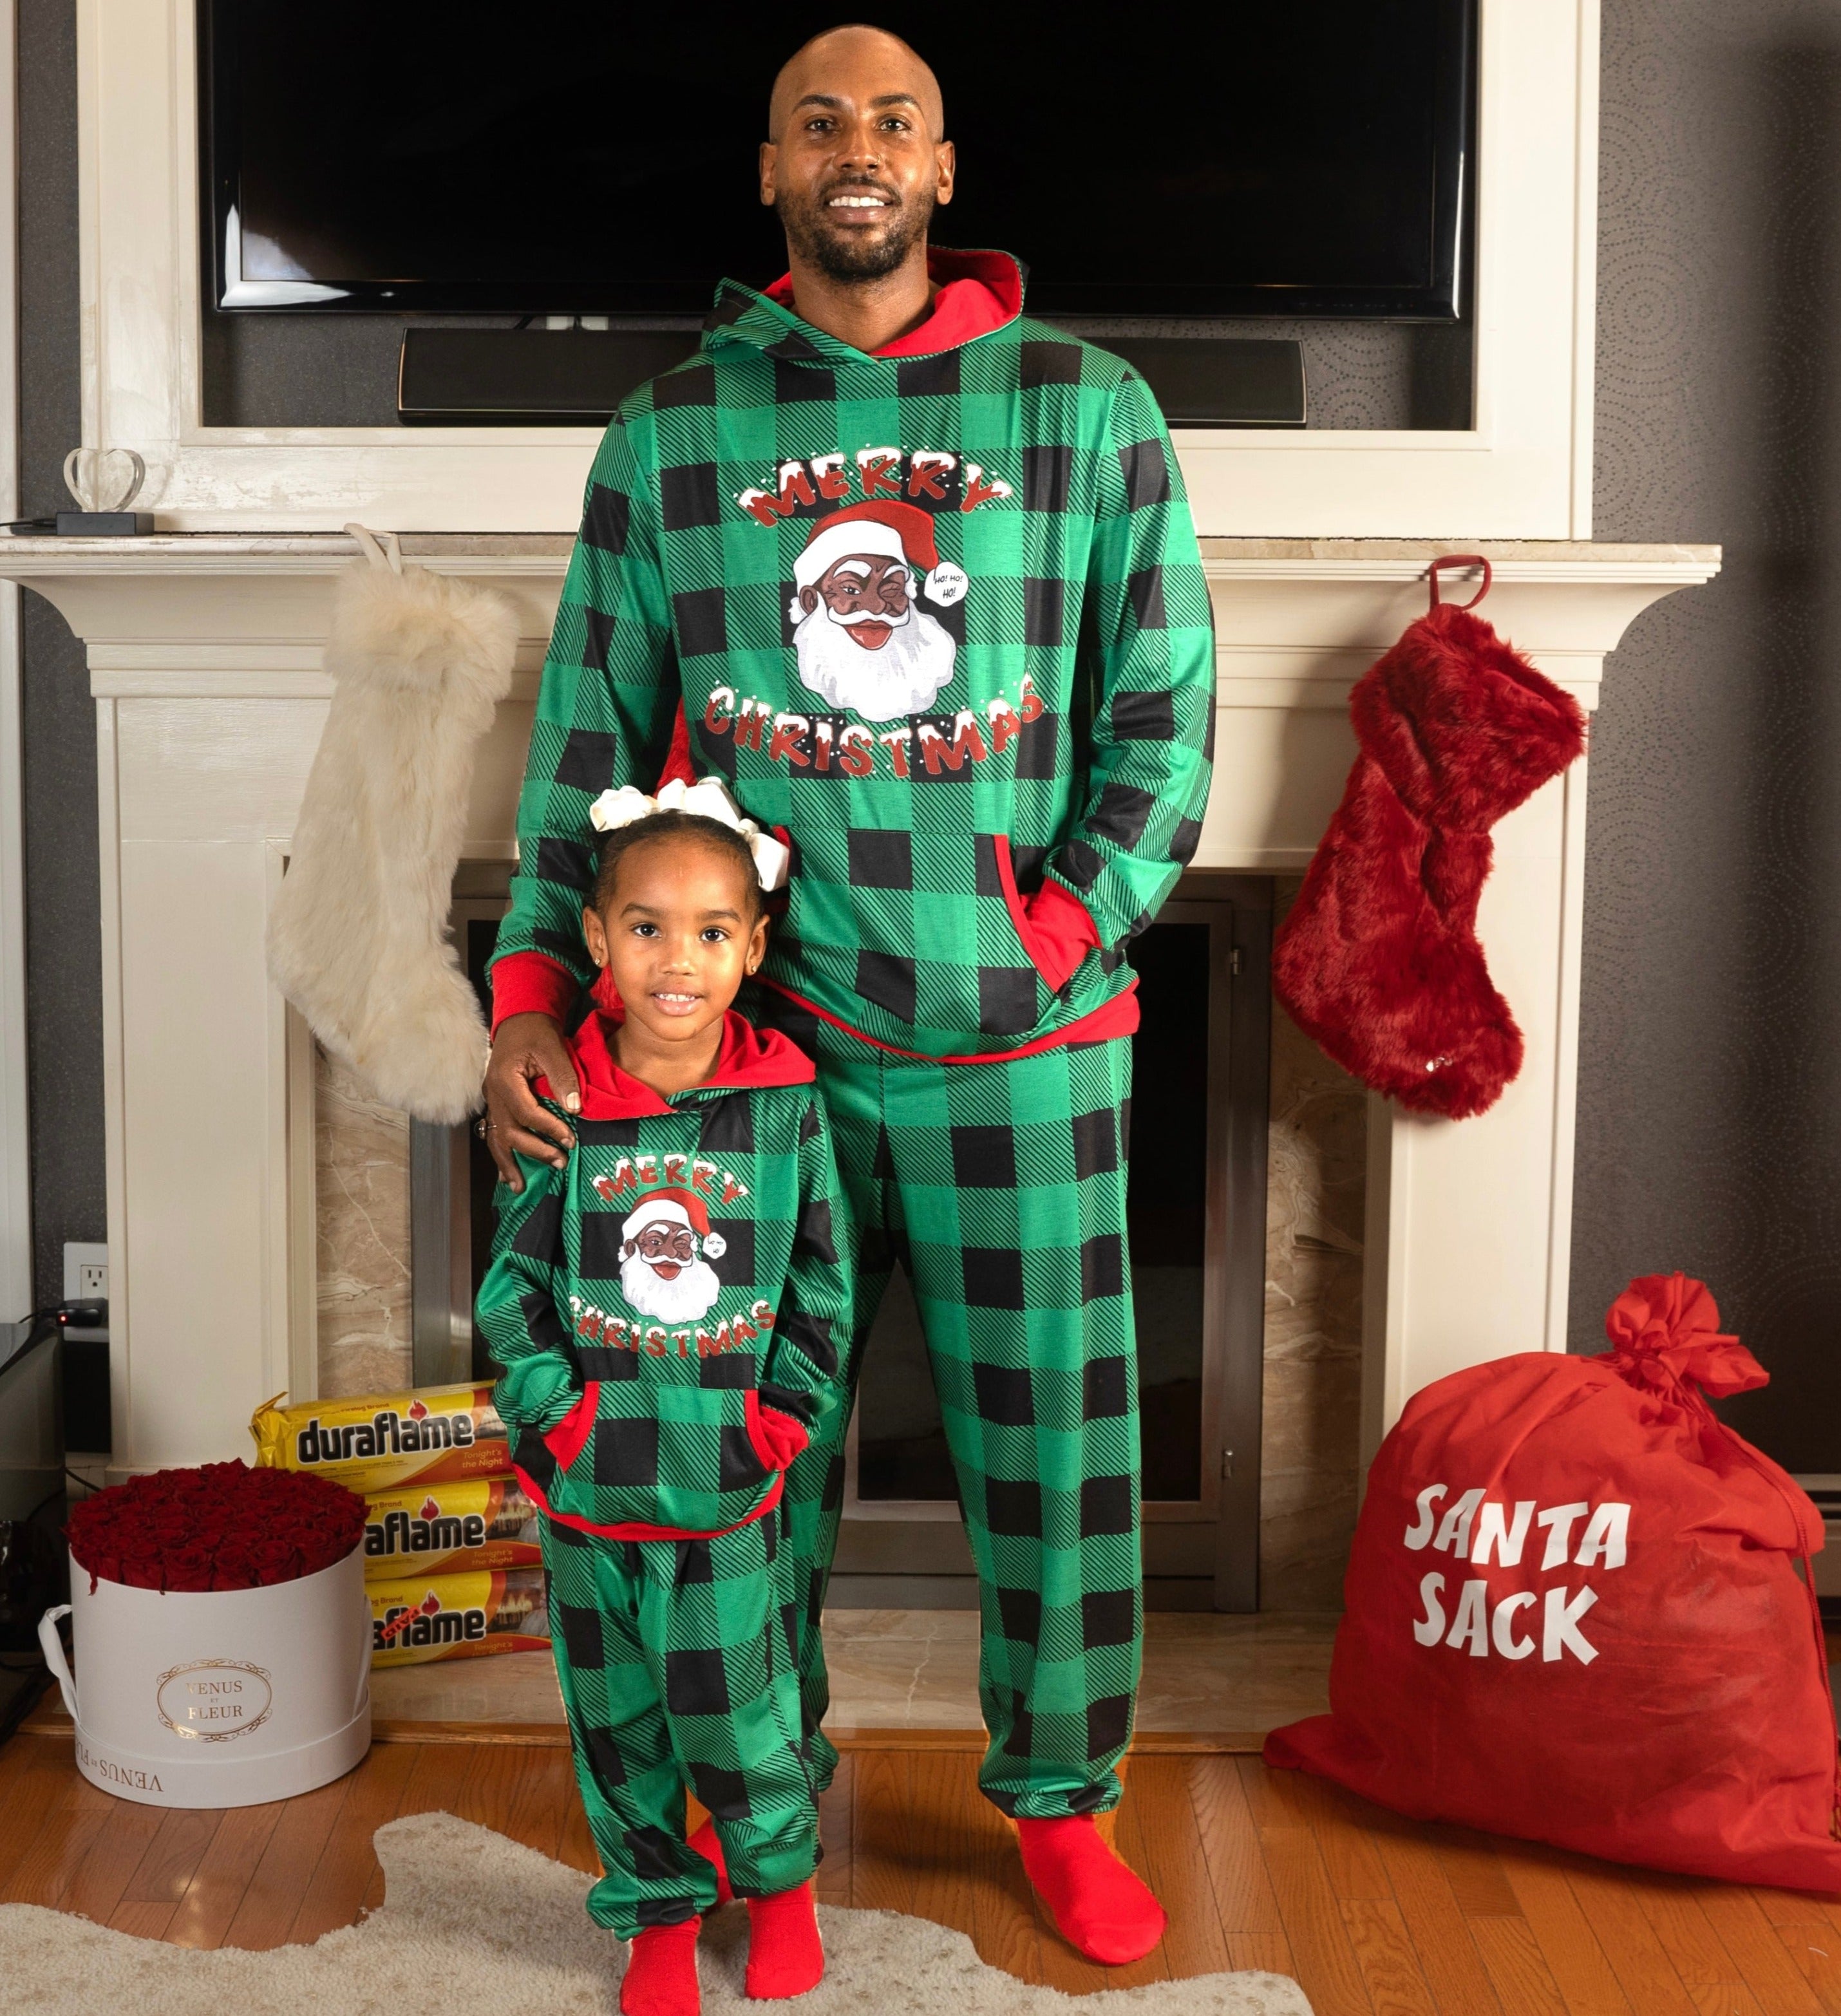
{"x":1206,"y":381}
{"x":528,"y":377}
{"x":565,"y":378}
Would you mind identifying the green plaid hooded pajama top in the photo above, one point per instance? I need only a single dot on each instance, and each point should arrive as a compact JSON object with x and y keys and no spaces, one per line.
{"x":686,"y":1270}
{"x":1014,"y":754}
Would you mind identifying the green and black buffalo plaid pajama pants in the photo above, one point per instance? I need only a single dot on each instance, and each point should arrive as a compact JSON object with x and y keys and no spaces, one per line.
{"x":1000,"y":1187}
{"x":676,"y":1661}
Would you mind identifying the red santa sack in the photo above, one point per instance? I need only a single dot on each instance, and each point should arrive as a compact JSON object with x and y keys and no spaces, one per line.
{"x":1574,"y":1613}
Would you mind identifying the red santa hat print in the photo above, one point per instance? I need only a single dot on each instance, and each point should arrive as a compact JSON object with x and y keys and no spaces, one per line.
{"x":674,"y":1207}
{"x":897,"y":531}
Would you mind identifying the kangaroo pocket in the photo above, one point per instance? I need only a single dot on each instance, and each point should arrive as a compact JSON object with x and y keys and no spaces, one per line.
{"x":900,"y":956}
{"x":668,"y":1452}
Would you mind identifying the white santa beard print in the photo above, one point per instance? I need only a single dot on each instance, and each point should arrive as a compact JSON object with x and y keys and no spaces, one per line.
{"x":683,"y":1299}
{"x":900,"y":677}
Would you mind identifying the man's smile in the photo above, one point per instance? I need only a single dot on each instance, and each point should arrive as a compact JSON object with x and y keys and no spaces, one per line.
{"x":871,"y":632}
{"x":666,"y":1270}
{"x":860,"y":197}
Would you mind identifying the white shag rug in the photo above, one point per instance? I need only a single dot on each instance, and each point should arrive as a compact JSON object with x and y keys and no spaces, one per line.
{"x":473,"y":1924}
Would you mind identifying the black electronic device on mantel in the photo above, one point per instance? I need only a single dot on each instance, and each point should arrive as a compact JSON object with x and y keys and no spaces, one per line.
{"x":1256,"y":157}
{"x":506,"y":377}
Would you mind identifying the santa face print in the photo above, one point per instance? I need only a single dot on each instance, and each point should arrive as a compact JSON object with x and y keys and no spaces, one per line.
{"x":663,"y":1271}
{"x":865,"y":585}
{"x":863,"y":643}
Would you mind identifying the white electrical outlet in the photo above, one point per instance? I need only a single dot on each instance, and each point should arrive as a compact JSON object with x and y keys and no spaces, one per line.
{"x":86,"y":1272}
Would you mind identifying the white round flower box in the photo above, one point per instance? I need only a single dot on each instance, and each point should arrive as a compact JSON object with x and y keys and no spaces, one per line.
{"x":226,"y":1698}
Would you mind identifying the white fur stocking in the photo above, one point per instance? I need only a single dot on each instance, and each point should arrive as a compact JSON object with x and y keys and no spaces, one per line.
{"x":357,"y":940}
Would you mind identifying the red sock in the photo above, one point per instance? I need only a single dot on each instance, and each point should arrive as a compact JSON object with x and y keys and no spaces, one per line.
{"x":660,"y":1977}
{"x":704,"y":1842}
{"x":785,"y":1955}
{"x":1100,"y":1905}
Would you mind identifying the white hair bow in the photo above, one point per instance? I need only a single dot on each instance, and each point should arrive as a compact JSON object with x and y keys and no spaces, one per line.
{"x":707,"y":798}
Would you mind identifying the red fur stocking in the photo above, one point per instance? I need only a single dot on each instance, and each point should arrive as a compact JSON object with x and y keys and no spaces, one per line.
{"x":660,"y":1977}
{"x":1378,"y":960}
{"x":785,"y":1955}
{"x":1100,"y":1905}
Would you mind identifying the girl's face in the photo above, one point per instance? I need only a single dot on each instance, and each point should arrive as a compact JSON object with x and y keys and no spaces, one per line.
{"x":679,"y":931}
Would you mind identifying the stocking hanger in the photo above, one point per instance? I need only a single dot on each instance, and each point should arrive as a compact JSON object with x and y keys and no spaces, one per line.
{"x":387,"y":552}
{"x":1458,"y":561}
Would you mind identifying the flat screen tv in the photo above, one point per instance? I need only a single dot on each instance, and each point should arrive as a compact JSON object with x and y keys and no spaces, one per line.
{"x":1307,"y":157}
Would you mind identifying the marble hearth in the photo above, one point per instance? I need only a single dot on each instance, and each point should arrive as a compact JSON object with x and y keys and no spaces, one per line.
{"x":1399,"y":1250}
{"x":894,"y":1670}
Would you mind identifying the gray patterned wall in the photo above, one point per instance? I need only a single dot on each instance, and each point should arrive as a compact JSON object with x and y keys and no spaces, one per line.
{"x":64,"y":945}
{"x":1709,"y":1126}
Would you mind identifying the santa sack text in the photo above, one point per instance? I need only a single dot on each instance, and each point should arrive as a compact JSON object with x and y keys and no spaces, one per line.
{"x":1574,"y":1613}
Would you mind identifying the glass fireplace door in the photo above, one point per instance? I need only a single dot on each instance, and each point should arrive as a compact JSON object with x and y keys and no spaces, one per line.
{"x":1196,"y":1210}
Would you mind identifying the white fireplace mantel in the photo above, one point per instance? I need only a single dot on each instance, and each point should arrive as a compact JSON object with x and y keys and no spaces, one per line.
{"x":204,"y":656}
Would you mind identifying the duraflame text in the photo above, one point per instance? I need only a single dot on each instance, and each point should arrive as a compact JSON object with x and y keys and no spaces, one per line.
{"x":387,"y":1433}
{"x":400,"y":1625}
{"x":397,"y":1532}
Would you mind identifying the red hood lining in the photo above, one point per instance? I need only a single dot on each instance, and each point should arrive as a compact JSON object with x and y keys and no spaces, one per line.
{"x":978,"y":292}
{"x":750,"y":1059}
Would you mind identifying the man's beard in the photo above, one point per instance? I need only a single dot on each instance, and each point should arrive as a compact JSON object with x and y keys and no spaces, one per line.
{"x":682,"y":1299}
{"x":900,"y":677}
{"x":841,"y":256}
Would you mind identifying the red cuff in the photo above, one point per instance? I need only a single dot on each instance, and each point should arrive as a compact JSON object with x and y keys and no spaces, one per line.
{"x":1061,"y":931}
{"x":526,"y":983}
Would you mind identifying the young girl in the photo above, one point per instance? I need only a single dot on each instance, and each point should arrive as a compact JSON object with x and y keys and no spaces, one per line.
{"x":668,"y":1311}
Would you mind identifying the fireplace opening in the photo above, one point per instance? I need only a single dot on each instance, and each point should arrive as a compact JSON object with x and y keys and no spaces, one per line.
{"x":901,"y":1449}
{"x":1195,"y":1210}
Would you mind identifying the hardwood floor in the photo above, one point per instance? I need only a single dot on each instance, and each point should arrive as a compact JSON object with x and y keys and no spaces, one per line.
{"x":1376,"y":1916}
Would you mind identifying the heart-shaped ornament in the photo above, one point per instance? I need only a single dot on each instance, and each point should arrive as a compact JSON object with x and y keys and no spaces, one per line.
{"x":104,"y":479}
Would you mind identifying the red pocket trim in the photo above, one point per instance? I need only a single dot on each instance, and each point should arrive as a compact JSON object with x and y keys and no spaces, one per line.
{"x":1013,"y":903}
{"x":751,"y":1415}
{"x":565,"y":1441}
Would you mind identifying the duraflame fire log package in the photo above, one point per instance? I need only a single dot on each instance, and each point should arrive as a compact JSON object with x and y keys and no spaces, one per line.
{"x":1574,"y":1613}
{"x":482,"y":1523}
{"x":457,"y":1616}
{"x":386,"y":1441}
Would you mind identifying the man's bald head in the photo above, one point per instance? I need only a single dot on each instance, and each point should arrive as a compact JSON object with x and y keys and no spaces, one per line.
{"x":843,"y":56}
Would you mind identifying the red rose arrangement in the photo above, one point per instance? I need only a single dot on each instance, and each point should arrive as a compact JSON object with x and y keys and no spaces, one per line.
{"x":221,"y":1526}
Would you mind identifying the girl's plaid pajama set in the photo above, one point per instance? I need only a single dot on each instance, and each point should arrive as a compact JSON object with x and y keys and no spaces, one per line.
{"x":635,"y":1371}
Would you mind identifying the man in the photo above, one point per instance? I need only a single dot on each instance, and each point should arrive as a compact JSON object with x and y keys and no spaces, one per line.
{"x":921,"y":574}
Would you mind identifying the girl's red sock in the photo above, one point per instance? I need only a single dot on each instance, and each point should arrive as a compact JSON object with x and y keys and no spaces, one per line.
{"x":660,"y":1977}
{"x":785,"y":1955}
{"x":1100,"y":1907}
{"x":704,"y":1842}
